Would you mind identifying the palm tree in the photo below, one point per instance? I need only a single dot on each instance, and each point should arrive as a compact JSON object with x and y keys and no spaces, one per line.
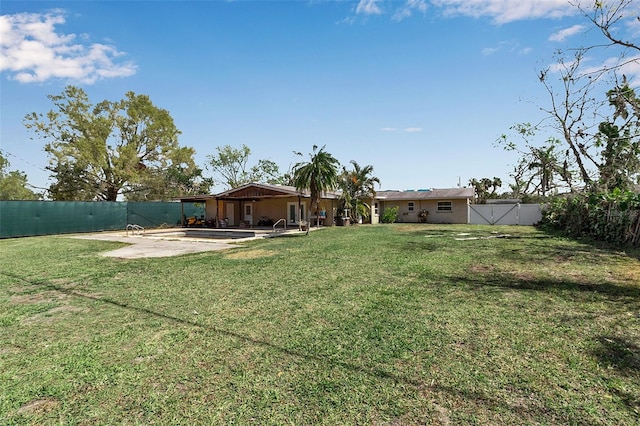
{"x":356,"y":185}
{"x":545,"y":164}
{"x":318,"y":175}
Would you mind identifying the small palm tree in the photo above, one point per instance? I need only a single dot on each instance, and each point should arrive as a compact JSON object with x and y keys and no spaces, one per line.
{"x":356,"y":185}
{"x":318,"y":175}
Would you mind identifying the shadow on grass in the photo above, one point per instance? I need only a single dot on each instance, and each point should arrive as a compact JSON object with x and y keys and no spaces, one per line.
{"x":624,"y":356}
{"x":379,"y":373}
{"x":613,"y":292}
{"x":629,"y":250}
{"x":617,"y":351}
{"x":620,"y":354}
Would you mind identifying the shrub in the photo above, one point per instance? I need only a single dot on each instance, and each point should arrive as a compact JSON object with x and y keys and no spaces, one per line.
{"x":390,"y":214}
{"x":612,"y":216}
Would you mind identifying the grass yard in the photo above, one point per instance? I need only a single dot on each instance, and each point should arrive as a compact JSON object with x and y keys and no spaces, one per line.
{"x":389,"y":324}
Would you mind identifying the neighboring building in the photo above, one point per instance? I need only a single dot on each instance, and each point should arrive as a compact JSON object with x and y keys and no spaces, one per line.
{"x":428,"y":205}
{"x":253,"y":203}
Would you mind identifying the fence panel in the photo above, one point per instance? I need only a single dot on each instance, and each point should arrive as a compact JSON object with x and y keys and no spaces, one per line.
{"x":27,"y":218}
{"x":530,"y":214}
{"x":505,"y":214}
{"x":153,"y":214}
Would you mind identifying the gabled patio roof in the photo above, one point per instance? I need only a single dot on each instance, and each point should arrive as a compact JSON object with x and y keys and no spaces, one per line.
{"x":196,"y":198}
{"x":257,"y":191}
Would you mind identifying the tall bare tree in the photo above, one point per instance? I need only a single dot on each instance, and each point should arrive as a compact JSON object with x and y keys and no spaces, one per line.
{"x":578,"y":104}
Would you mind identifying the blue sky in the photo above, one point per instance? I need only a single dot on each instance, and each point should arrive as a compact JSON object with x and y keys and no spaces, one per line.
{"x":419,"y":89}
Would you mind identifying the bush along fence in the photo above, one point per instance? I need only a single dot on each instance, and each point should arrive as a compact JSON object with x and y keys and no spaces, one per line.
{"x":613,"y":217}
{"x":30,"y":218}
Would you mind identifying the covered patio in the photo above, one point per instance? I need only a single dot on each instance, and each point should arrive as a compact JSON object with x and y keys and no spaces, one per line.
{"x":263,"y":206}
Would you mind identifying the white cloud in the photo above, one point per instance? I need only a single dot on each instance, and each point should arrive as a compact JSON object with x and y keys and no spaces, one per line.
{"x":408,"y":8}
{"x":503,"y":11}
{"x":562,"y":35}
{"x":511,"y":46}
{"x":633,"y":25}
{"x":632,"y":70}
{"x":592,"y":68}
{"x":368,"y":7}
{"x":413,"y":129}
{"x":388,"y":129}
{"x":629,"y":66}
{"x":32,"y":51}
{"x":489,"y":50}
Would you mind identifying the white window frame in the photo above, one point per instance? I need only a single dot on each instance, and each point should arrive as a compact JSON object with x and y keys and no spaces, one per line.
{"x":303,"y":207}
{"x":445,"y":207}
{"x":411,"y":206}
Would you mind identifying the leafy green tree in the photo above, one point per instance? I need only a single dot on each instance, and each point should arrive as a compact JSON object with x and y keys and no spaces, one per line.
{"x":170,"y":183}
{"x":230,"y":165}
{"x":13,"y":184}
{"x":98,"y":152}
{"x":357,"y":185}
{"x":318,"y":175}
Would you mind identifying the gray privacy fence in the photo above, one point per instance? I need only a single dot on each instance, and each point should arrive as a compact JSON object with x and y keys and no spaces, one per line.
{"x":28,"y":218}
{"x":505,"y":214}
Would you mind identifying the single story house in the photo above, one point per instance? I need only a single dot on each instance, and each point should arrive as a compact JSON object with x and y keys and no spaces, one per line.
{"x":450,"y":205}
{"x":256,"y":204}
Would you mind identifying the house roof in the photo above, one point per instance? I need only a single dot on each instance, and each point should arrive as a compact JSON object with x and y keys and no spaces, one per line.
{"x":256,"y":191}
{"x":431,"y":194}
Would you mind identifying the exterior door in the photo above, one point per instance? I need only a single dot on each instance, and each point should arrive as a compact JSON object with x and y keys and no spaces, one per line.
{"x":293,"y":215}
{"x":248,"y":213}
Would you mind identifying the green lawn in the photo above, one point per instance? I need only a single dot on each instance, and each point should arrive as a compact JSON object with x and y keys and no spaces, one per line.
{"x":389,"y":324}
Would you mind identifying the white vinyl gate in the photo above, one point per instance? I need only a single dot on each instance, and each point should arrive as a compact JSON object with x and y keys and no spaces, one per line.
{"x":505,"y":214}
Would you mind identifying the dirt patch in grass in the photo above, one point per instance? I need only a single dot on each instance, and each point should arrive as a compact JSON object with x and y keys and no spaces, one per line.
{"x":52,"y":314}
{"x":481,"y":269}
{"x":38,"y":406}
{"x":250,"y":254}
{"x":41,"y":297}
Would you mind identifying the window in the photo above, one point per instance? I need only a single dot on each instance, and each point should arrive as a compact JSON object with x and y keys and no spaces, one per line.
{"x":375,"y":209}
{"x":411,"y":206}
{"x":444,"y":206}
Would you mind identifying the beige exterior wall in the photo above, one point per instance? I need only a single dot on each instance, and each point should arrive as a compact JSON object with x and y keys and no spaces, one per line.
{"x":272,"y":208}
{"x":459,"y":211}
{"x":211,"y":209}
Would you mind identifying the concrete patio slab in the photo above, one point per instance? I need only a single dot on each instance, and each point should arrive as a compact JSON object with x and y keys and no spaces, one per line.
{"x":147,"y":246}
